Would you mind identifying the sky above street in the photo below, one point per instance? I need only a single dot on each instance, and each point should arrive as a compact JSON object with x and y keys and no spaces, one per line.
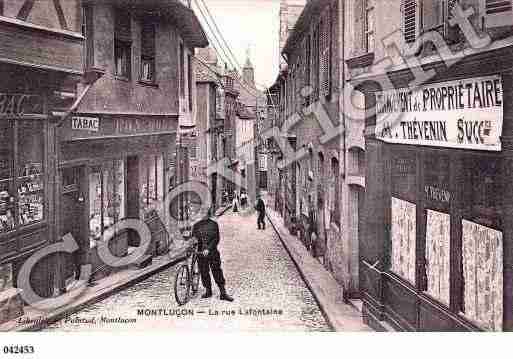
{"x":248,"y":24}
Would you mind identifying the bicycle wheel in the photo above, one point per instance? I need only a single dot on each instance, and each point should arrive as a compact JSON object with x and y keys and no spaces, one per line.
{"x":182,"y":285}
{"x":195,"y":275}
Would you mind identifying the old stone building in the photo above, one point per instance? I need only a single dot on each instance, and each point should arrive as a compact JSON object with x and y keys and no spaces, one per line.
{"x":436,"y":247}
{"x":307,"y":87}
{"x":124,"y":165}
{"x":42,"y":72}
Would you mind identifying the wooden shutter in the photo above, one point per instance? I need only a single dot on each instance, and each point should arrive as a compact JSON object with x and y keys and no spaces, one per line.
{"x":432,"y":17}
{"x":325,"y":55}
{"x":123,"y":28}
{"x":410,"y":20}
{"x":148,"y":40}
{"x":498,"y":13}
{"x":359,"y":25}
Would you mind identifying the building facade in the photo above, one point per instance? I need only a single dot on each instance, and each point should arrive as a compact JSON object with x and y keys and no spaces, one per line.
{"x":436,"y":251}
{"x":119,"y":154}
{"x":41,"y":65}
{"x":246,"y":152}
{"x":310,"y":89}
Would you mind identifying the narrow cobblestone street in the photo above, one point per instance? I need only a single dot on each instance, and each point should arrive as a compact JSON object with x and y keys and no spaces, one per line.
{"x":259,"y":275}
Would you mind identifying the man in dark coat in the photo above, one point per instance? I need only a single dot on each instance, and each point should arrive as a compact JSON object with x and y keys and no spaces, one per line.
{"x":207,"y":233}
{"x":260,"y":207}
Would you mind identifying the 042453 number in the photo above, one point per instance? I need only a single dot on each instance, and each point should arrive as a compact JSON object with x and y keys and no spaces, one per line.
{"x":18,"y":349}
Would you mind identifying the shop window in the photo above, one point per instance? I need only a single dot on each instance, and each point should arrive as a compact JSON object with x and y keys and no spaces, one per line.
{"x":106,"y":197}
{"x":30,"y":172}
{"x":7,"y":195}
{"x":151,"y":172}
{"x":21,"y":191}
{"x":437,"y":199}
{"x":122,"y":44}
{"x":148,"y":53}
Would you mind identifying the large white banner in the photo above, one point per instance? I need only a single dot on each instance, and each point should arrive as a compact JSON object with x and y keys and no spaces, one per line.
{"x":459,"y":114}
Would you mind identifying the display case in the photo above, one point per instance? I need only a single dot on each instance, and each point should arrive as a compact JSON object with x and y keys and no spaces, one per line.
{"x":21,"y":192}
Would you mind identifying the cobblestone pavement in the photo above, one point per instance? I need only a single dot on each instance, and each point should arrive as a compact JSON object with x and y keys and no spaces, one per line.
{"x":259,"y":275}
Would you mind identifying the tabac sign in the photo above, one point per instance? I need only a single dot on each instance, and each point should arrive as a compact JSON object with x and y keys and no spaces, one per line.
{"x":459,"y":114}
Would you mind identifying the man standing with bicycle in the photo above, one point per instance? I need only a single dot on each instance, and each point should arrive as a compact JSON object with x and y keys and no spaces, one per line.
{"x":207,"y":233}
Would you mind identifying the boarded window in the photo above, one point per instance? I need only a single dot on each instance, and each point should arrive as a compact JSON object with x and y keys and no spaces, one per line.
{"x":483,"y":275}
{"x":403,"y":238}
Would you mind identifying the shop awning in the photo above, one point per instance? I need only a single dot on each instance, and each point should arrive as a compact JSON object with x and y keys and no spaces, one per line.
{"x":172,"y":11}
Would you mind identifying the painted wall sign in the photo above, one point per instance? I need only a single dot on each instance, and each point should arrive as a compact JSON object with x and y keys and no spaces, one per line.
{"x":84,"y":126}
{"x":457,"y":114}
{"x":85,"y":123}
{"x":142,"y":125}
{"x":20,"y":104}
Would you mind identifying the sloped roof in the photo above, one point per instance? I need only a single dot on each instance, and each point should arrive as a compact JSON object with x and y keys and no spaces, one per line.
{"x":172,"y":11}
{"x":206,"y":72}
{"x":312,"y":10}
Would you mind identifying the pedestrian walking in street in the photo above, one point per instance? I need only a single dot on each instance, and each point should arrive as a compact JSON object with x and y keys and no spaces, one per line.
{"x":260,"y":207}
{"x":207,"y":233}
{"x":235,"y":203}
{"x":243,"y":199}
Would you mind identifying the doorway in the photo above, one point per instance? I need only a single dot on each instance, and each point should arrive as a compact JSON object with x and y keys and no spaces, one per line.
{"x":74,"y":220}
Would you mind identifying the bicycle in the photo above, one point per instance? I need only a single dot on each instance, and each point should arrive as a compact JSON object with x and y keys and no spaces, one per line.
{"x":187,"y":277}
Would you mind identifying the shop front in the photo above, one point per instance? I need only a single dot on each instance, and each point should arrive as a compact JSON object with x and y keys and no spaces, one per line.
{"x":26,"y":137}
{"x":436,"y":252}
{"x":111,"y":173}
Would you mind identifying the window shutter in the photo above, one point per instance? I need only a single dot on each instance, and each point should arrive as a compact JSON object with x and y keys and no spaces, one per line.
{"x":431,"y":15}
{"x":359,"y":21}
{"x":123,"y":28}
{"x":410,"y":20}
{"x":498,"y":13}
{"x":325,"y":56}
{"x":148,"y":40}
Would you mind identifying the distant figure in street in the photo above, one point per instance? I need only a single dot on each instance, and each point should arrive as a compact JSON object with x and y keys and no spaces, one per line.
{"x":243,"y":199}
{"x":235,"y":203}
{"x":207,"y":233}
{"x":260,"y":207}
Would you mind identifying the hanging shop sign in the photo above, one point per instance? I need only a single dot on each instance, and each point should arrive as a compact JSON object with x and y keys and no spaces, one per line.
{"x":20,"y":104}
{"x":458,"y":114}
{"x":85,"y":123}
